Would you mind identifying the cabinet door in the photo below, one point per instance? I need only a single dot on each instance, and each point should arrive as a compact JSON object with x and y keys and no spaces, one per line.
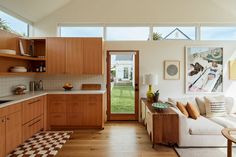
{"x":93,"y":110}
{"x":57,"y":119}
{"x":2,"y":136}
{"x":93,"y":56}
{"x":74,"y":56}
{"x":13,"y":131}
{"x":56,"y":54}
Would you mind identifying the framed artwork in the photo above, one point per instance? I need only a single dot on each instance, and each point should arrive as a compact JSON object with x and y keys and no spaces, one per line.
{"x":204,"y":69}
{"x":171,"y":70}
{"x":232,"y":70}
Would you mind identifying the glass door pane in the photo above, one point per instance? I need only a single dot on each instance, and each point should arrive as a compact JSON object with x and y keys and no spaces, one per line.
{"x":122,"y":84}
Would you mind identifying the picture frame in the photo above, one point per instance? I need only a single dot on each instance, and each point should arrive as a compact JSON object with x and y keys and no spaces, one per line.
{"x":172,"y":70}
{"x":232,"y":70}
{"x":203,"y":69}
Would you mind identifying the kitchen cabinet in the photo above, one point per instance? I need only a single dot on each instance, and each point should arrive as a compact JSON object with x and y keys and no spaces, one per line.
{"x":13,"y":131}
{"x":33,"y":116}
{"x":2,"y":137}
{"x":10,"y":128}
{"x":74,"y":55}
{"x":56,"y":55}
{"x":93,"y":56}
{"x":76,"y":110}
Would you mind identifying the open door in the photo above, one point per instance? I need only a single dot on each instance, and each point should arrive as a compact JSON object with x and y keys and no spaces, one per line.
{"x":122,"y":84}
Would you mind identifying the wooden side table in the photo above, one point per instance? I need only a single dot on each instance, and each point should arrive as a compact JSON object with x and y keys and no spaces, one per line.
{"x":162,"y":126}
{"x":230,"y":139}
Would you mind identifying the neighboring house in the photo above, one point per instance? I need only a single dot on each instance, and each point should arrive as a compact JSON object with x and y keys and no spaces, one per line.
{"x":123,"y":66}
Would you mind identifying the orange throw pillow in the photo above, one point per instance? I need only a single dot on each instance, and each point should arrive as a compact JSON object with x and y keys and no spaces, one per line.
{"x":192,"y":111}
{"x":182,"y":108}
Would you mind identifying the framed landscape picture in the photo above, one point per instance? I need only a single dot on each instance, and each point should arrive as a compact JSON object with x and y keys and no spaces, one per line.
{"x":204,"y":69}
{"x":171,"y":70}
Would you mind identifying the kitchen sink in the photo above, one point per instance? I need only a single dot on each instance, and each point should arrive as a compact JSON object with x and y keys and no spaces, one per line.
{"x":4,"y":101}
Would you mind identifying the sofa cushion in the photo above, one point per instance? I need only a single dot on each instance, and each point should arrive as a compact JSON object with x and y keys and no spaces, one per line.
{"x":192,"y":111}
{"x":201,"y":105}
{"x":215,"y":106}
{"x":230,"y":105}
{"x":203,"y":126}
{"x":191,"y":100}
{"x":227,"y":121}
{"x":182,"y":108}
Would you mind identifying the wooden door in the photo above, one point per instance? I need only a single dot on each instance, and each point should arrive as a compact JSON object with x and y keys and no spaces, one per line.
{"x":56,"y":55}
{"x":123,"y":116}
{"x":13,"y":131}
{"x":74,"y":56}
{"x":92,"y":56}
{"x":2,"y":136}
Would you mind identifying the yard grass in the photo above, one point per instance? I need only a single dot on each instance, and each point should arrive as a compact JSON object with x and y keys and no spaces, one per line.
{"x":122,"y":99}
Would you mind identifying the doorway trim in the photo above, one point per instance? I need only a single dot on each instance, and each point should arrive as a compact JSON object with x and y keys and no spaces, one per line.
{"x":134,"y":116}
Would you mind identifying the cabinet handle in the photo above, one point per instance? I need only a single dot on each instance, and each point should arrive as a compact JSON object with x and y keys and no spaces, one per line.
{"x":3,"y":120}
{"x":34,"y":123}
{"x":34,"y":101}
{"x":57,"y":116}
{"x":8,"y":118}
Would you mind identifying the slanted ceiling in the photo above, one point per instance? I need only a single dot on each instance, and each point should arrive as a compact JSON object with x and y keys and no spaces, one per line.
{"x":32,"y":10}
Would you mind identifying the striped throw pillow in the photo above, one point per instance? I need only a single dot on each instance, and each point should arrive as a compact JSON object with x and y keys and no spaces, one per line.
{"x":215,"y":106}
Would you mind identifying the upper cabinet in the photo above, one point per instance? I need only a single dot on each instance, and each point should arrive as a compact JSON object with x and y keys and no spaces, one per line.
{"x":92,"y":56}
{"x":56,"y":55}
{"x":75,"y":56}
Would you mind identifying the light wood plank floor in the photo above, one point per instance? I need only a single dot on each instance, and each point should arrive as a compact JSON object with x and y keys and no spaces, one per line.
{"x":118,"y":139}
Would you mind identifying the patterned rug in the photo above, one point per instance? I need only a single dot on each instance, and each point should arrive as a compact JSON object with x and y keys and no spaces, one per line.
{"x":42,"y":144}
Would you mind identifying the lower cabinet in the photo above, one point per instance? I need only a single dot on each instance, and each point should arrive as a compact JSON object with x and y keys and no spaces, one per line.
{"x":10,"y":128}
{"x":79,"y":110}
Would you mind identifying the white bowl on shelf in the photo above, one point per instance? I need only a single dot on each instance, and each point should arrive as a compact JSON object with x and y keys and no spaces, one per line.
{"x":18,"y":69}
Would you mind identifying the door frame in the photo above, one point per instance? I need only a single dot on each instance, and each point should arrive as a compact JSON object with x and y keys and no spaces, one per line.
{"x":134,"y":116}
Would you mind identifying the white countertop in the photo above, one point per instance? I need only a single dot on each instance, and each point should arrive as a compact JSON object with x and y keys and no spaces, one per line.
{"x":29,"y":95}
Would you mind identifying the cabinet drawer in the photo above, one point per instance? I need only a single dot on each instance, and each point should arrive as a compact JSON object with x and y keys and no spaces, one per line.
{"x":149,"y":121}
{"x":57,"y":107}
{"x":75,"y":107}
{"x":32,"y":109}
{"x":76,"y":98}
{"x":56,"y":98}
{"x":94,"y":98}
{"x":57,"y":119}
{"x":32,"y":127}
{"x":10,"y":109}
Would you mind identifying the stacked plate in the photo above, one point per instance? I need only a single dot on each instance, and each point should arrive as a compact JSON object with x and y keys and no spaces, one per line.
{"x":8,"y":51}
{"x":18,"y":69}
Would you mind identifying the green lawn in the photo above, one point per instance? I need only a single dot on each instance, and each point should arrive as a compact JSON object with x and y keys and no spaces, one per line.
{"x":122,"y":99}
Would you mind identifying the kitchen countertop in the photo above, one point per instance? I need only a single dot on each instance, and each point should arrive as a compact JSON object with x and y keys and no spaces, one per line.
{"x":30,"y":95}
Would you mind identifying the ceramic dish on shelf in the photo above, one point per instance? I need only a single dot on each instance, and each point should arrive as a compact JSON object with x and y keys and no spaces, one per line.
{"x":160,"y":106}
{"x":8,"y":51}
{"x":18,"y":69}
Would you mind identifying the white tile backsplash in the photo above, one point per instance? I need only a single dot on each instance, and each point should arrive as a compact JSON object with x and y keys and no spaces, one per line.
{"x":56,"y":82}
{"x":7,"y":84}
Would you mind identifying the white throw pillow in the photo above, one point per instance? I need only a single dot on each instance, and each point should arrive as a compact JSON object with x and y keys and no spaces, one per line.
{"x":201,"y":105}
{"x":215,"y":106}
{"x":230,"y":105}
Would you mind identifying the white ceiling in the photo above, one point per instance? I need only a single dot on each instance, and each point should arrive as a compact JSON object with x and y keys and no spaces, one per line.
{"x":33,"y":10}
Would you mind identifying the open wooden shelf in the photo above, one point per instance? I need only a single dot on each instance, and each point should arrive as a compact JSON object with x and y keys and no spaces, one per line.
{"x":22,"y":57}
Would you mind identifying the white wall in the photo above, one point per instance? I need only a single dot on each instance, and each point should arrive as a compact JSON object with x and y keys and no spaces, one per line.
{"x":138,"y":11}
{"x":153,"y":54}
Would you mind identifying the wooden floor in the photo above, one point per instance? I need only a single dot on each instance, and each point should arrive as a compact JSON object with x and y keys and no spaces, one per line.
{"x":118,"y":139}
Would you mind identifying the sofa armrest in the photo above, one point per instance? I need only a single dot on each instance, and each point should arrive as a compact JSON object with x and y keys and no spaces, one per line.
{"x":183,"y":122}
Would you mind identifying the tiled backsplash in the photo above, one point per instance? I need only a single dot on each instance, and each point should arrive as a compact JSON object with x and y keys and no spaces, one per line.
{"x":7,"y":84}
{"x":53,"y":82}
{"x":56,"y":82}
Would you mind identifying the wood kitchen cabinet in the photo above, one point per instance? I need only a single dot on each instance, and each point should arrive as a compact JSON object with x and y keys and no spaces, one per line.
{"x":76,"y":110}
{"x":74,"y":55}
{"x":33,"y":116}
{"x":56,"y":55}
{"x":2,"y":137}
{"x":93,"y":56}
{"x":10,"y":128}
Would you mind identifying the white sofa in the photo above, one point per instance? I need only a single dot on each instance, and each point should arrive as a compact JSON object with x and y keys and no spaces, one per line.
{"x":203,"y":132}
